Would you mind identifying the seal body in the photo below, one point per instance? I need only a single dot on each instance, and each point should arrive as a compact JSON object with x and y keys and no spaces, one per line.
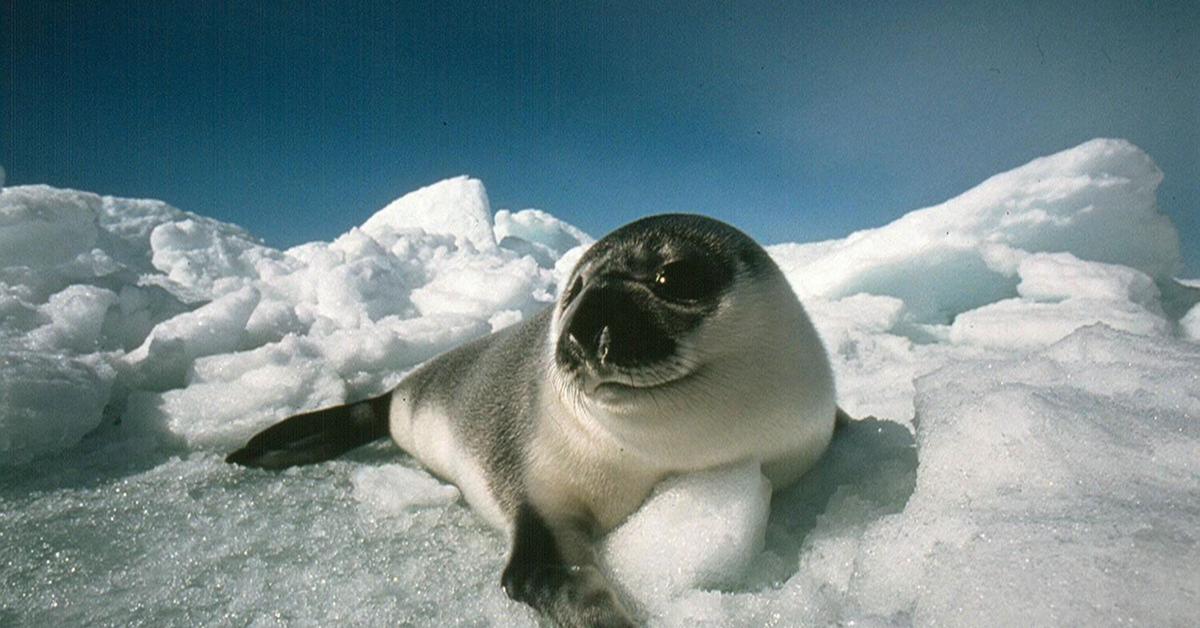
{"x":676,"y":345}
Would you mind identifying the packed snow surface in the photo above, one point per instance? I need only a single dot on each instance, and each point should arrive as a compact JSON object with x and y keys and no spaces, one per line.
{"x":1023,"y":363}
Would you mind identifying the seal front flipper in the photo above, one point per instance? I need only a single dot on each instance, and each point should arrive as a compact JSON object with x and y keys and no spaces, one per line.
{"x":569,"y":593}
{"x":316,"y":436}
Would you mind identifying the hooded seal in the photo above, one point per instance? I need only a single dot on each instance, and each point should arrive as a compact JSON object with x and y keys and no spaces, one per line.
{"x":677,"y":345}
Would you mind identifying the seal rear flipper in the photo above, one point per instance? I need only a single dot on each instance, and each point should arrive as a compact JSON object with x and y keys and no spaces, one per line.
{"x":316,"y":436}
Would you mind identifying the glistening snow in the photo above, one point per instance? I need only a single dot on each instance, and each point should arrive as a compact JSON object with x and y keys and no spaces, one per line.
{"x":1032,"y":363}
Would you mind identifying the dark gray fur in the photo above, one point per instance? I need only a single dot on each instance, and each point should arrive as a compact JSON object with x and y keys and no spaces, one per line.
{"x":651,"y":241}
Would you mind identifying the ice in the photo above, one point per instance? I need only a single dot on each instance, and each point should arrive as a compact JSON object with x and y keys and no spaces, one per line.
{"x":1021,"y":323}
{"x":1189,"y":325}
{"x":161,"y":362}
{"x":458,"y":207}
{"x":1058,"y":276}
{"x":49,"y":400}
{"x":394,"y":489}
{"x":724,"y":510}
{"x":207,"y":258}
{"x":1095,"y":201}
{"x":480,"y":287}
{"x":504,"y":318}
{"x":75,"y":319}
{"x":41,"y":227}
{"x":536,"y":233}
{"x":1084,"y":511}
{"x":1022,"y":361}
{"x":230,"y":397}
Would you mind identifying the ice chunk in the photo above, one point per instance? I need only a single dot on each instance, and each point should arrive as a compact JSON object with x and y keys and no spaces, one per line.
{"x":1059,"y":294}
{"x":204,"y":259}
{"x":478,"y":287}
{"x":48,"y":401}
{"x":699,"y":530}
{"x":861,"y":312}
{"x":362,"y":357}
{"x":17,"y":314}
{"x":230,"y":397}
{"x":868,"y":340}
{"x":126,"y":225}
{"x":351,"y":282}
{"x":504,"y":318}
{"x":76,"y":317}
{"x":393,"y":489}
{"x":137,"y":311}
{"x":566,"y":264}
{"x":41,"y":226}
{"x":535,"y":225}
{"x":271,"y":320}
{"x":457,"y":207}
{"x":538,"y":234}
{"x":1058,"y":276}
{"x":163,"y":359}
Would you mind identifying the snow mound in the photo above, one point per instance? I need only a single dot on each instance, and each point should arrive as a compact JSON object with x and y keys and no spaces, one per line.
{"x":1030,"y":364}
{"x":457,"y":207}
{"x":1095,"y":201}
{"x":1084,"y":509}
{"x":136,"y":295}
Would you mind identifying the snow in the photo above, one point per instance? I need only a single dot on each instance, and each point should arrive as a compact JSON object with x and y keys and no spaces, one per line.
{"x":456,"y":207}
{"x":1190,"y":324}
{"x":393,"y":489}
{"x":1095,"y":202}
{"x":1022,"y":360}
{"x":162,"y":360}
{"x":699,"y":511}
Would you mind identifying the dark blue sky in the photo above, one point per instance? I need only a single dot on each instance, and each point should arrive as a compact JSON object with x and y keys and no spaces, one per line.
{"x":801,"y":122}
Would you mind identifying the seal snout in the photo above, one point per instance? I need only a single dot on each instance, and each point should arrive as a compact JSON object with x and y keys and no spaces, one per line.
{"x":611,"y":325}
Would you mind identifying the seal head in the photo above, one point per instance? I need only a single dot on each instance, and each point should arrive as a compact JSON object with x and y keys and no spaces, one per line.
{"x":635,"y":297}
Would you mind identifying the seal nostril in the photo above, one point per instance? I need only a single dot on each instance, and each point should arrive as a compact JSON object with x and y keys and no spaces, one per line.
{"x":587,"y":322}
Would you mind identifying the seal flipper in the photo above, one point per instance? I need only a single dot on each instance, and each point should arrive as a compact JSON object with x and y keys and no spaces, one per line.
{"x":316,"y":436}
{"x":569,"y":594}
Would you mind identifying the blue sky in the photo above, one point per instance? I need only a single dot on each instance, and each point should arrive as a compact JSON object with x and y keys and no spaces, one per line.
{"x":800,"y":122}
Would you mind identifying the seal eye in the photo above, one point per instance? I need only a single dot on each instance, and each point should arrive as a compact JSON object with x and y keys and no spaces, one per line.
{"x":684,"y":280}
